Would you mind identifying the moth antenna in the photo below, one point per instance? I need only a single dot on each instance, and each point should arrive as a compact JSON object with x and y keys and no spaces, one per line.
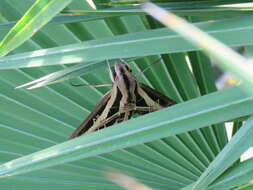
{"x":92,"y":85}
{"x":122,"y":60}
{"x":148,"y":67}
{"x":112,"y":76}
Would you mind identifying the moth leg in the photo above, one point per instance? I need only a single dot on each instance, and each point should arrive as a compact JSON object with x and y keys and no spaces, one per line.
{"x":111,"y":118}
{"x":126,"y":115}
{"x":146,"y":109}
{"x":95,"y":119}
{"x":98,"y":124}
{"x":118,"y":120}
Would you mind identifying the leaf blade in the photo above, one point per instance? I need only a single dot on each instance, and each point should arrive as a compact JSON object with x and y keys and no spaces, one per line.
{"x":237,"y":31}
{"x":181,"y":118}
{"x":240,"y":142}
{"x":38,"y":15}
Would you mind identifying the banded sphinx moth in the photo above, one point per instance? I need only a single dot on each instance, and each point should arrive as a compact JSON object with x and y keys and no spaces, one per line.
{"x":127,"y":97}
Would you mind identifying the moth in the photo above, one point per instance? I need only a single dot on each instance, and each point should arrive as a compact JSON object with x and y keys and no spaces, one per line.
{"x":128,"y":97}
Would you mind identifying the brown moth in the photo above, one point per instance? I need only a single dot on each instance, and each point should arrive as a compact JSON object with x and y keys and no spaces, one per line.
{"x":127,"y":97}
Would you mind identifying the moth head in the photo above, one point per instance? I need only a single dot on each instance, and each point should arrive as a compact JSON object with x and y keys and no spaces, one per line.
{"x":121,"y":68}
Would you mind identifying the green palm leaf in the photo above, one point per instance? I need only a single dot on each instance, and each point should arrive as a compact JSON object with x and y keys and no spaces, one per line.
{"x":38,"y":15}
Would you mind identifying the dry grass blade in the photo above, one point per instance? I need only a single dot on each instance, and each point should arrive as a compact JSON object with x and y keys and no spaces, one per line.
{"x":228,"y":59}
{"x":125,"y":181}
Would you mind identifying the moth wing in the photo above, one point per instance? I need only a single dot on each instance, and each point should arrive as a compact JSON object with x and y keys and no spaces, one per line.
{"x":88,"y":122}
{"x":157,"y":96}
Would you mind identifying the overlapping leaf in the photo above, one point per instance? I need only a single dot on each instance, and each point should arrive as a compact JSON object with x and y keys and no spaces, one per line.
{"x":167,"y":122}
{"x":38,"y":15}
